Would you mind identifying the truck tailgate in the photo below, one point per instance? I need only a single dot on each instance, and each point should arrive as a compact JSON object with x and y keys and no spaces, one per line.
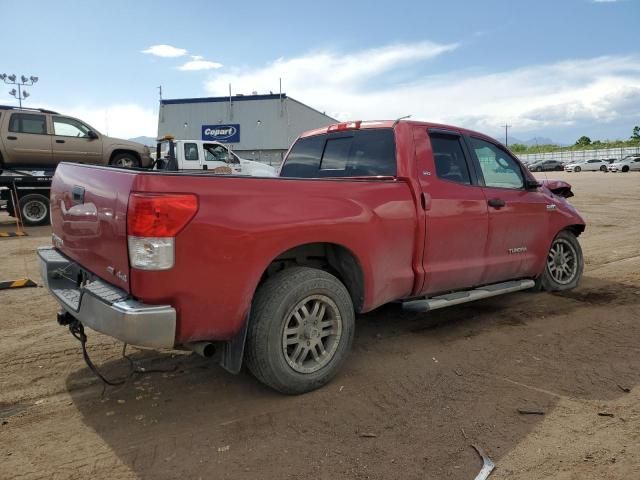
{"x":88,"y":216}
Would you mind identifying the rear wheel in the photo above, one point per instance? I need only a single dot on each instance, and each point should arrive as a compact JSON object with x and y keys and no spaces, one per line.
{"x":126,"y":160}
{"x":34,"y":209}
{"x":564,"y":264}
{"x":301,"y":330}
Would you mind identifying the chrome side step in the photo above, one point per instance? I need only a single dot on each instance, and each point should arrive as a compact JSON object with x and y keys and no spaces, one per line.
{"x":456,"y":298}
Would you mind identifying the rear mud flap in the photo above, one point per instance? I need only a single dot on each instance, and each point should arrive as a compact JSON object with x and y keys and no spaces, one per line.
{"x":233,"y":351}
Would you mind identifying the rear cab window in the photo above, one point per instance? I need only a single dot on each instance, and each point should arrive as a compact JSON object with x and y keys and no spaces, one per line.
{"x":353,"y":153}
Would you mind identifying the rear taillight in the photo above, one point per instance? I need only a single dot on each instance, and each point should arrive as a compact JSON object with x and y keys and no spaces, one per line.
{"x":153,"y":221}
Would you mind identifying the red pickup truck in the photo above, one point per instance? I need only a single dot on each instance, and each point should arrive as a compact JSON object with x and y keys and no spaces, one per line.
{"x":271,"y":271}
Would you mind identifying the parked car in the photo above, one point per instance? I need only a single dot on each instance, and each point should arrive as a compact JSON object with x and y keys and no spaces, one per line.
{"x":39,"y":138}
{"x":627,"y":164}
{"x":546,"y":166}
{"x":207,"y":155}
{"x":592,"y":165}
{"x":271,"y":271}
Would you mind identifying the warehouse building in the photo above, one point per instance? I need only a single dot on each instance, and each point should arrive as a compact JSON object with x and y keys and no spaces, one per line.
{"x":256,"y":127}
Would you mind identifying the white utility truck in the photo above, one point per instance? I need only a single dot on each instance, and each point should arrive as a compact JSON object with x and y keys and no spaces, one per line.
{"x":212,"y":156}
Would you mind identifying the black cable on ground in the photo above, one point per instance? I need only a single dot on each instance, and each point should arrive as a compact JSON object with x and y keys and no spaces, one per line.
{"x":77,"y":330}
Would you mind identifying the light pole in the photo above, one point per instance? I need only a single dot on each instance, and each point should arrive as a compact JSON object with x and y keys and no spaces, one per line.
{"x":23,"y":82}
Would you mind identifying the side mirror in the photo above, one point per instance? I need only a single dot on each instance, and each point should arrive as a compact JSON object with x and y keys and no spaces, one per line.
{"x":92,"y":135}
{"x":531,"y":184}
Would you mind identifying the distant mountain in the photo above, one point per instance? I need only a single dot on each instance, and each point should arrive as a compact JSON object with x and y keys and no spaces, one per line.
{"x":149,"y":141}
{"x":533,"y":141}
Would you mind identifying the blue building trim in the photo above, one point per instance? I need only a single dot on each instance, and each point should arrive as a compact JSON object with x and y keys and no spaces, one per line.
{"x":235,"y":98}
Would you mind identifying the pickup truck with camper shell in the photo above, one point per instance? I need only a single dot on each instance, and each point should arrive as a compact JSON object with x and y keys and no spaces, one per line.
{"x":270,"y":272}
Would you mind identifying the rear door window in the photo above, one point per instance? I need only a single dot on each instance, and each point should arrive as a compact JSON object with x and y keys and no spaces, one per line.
{"x":449,"y":158}
{"x":358,"y":153}
{"x":28,"y":123}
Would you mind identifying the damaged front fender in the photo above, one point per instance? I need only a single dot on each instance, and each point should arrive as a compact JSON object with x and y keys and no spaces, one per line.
{"x":558,"y":187}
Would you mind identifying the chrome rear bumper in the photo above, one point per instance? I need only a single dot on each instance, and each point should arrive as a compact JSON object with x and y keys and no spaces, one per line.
{"x":105,"y":308}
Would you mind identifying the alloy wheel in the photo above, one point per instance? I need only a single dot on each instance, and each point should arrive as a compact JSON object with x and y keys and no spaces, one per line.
{"x":311,"y":334}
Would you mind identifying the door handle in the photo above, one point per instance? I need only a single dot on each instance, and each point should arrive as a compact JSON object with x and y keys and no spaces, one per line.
{"x":59,"y":141}
{"x":496,"y":203}
{"x":11,"y":137}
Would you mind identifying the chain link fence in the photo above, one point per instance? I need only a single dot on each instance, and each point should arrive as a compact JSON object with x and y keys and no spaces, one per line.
{"x":579,"y":155}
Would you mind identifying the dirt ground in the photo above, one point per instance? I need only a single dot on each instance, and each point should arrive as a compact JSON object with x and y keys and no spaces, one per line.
{"x":417,"y":391}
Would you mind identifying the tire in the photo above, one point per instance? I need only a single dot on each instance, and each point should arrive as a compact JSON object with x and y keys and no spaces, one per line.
{"x":125,"y":160}
{"x":625,"y":169}
{"x":603,"y":168}
{"x":278,"y":306}
{"x":34,"y":210}
{"x":577,"y":169}
{"x":555,"y":278}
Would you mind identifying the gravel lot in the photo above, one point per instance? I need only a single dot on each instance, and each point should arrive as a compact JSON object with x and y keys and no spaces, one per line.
{"x":418,"y":390}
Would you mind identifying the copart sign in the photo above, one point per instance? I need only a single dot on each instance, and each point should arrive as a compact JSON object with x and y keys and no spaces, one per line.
{"x":222,"y":133}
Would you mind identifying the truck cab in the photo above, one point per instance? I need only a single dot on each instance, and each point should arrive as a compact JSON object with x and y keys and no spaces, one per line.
{"x":212,"y":156}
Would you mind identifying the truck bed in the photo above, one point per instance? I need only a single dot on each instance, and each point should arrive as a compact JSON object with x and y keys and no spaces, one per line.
{"x":241,"y":226}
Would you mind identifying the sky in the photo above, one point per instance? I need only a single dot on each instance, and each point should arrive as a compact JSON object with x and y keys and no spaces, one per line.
{"x":556,"y":69}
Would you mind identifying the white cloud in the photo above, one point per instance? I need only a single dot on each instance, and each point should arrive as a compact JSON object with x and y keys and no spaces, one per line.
{"x":199,"y":63}
{"x":373,"y":84}
{"x":319,"y":71}
{"x":120,"y":120}
{"x":165,"y":51}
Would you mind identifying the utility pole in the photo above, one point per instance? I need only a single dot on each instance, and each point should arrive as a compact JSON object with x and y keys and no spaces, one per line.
{"x":23,"y":82}
{"x":159,"y":87}
{"x":506,"y":134}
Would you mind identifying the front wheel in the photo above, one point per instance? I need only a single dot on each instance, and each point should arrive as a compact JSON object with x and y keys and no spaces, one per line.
{"x":577,"y":169}
{"x":603,"y":168}
{"x":301,"y":330}
{"x":564,"y":264}
{"x":625,"y":169}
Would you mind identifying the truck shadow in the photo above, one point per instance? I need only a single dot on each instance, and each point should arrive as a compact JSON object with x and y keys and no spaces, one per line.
{"x":417,"y":390}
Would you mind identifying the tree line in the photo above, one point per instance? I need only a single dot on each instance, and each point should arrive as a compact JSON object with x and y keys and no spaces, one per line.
{"x":583,"y":143}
